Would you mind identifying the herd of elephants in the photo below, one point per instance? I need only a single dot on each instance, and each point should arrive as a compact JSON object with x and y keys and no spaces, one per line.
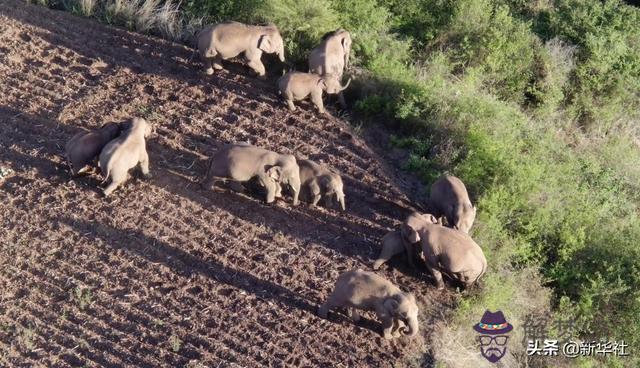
{"x":441,"y":235}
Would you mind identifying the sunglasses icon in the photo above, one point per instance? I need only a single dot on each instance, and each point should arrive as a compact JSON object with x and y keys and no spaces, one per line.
{"x":485,"y":340}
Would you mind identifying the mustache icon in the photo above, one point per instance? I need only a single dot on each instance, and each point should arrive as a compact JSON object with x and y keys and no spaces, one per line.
{"x":493,"y":351}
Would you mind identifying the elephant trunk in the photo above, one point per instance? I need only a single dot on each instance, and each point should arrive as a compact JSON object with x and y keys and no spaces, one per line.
{"x":271,"y":188}
{"x":412,"y":328}
{"x":341,"y":201}
{"x":281,"y":53}
{"x":345,"y":86}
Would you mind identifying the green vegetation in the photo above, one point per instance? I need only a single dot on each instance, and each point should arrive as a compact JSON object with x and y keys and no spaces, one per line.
{"x":531,"y":103}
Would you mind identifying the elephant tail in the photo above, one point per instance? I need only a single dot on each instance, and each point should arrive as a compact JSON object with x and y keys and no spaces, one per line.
{"x":484,"y":269}
{"x":106,"y":176}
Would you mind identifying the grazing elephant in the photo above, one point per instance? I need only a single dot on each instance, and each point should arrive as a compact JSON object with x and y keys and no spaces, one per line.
{"x":318,"y":181}
{"x":84,"y":147}
{"x":227,"y":40}
{"x":445,"y":250}
{"x":295,"y":86}
{"x":124,"y":153}
{"x":358,"y":289}
{"x":242,"y":162}
{"x":393,"y":244}
{"x":449,"y":198}
{"x":331,"y":56}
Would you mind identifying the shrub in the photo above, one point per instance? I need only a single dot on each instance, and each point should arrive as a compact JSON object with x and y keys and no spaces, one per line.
{"x":301,"y":22}
{"x":607,"y":76}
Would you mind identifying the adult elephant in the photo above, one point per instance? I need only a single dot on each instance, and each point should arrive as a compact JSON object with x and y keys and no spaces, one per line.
{"x":445,"y":250}
{"x":331,"y":56}
{"x":242,"y":162}
{"x":230,"y":39}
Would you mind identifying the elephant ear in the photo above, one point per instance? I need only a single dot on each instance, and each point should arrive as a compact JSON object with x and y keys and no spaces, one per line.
{"x":274,"y":172}
{"x":322,"y":84}
{"x":325,"y":183}
{"x":264,"y":43}
{"x":432,"y":218}
{"x":391,"y":305}
{"x":346,"y":47}
{"x":409,"y":234}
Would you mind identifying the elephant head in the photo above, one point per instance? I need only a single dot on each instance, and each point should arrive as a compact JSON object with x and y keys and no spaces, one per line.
{"x":290,"y":175}
{"x":415,"y":221}
{"x":463,"y":217}
{"x":271,"y":41}
{"x":403,"y":307}
{"x":332,"y":187}
{"x":331,"y":84}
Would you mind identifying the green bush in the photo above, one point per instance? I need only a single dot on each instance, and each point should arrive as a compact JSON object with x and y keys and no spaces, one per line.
{"x":607,"y":74}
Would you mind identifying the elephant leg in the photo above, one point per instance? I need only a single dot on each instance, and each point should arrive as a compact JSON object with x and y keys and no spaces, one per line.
{"x":409,"y":250}
{"x":144,"y":164}
{"x":316,"y":98}
{"x":386,"y":254}
{"x":386,"y":319}
{"x":278,"y":190}
{"x":117,"y":178}
{"x":236,"y":186}
{"x":289,"y":99}
{"x":314,"y":190}
{"x":258,"y":67}
{"x":217,"y":62}
{"x":387,"y":327}
{"x":332,"y":302}
{"x":341,"y":100}
{"x":432,"y":263}
{"x":353,"y":314}
{"x":398,"y":327}
{"x":208,"y":67}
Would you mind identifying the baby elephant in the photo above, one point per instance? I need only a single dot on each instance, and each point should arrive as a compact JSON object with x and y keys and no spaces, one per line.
{"x":392,"y":244}
{"x":358,"y":289}
{"x":124,"y":153}
{"x":449,"y":198}
{"x":318,"y":181}
{"x":242,"y":162}
{"x":84,"y":147}
{"x":445,"y":250}
{"x":295,"y":86}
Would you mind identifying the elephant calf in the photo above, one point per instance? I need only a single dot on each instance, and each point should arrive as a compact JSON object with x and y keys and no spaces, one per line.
{"x":392,"y":244}
{"x":445,"y":250}
{"x":295,"y":86}
{"x":449,"y":198}
{"x":242,"y":162}
{"x":230,"y":39}
{"x":84,"y":147}
{"x":358,"y":289}
{"x":318,"y":181}
{"x":124,"y":153}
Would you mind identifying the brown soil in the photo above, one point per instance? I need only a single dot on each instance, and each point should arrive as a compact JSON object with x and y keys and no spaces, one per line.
{"x":164,"y":273}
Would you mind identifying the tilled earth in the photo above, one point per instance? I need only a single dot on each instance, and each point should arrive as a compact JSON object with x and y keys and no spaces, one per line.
{"x":164,"y":273}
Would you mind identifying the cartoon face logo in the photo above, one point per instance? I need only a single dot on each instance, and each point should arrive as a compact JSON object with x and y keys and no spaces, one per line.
{"x":493,"y":329}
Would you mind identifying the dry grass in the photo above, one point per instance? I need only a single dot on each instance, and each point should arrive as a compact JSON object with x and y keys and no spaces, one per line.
{"x":169,"y":21}
{"x":86,"y":7}
{"x":145,"y":15}
{"x":454,"y":341}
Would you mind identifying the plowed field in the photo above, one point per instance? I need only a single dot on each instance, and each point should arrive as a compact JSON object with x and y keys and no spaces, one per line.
{"x":164,"y":273}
